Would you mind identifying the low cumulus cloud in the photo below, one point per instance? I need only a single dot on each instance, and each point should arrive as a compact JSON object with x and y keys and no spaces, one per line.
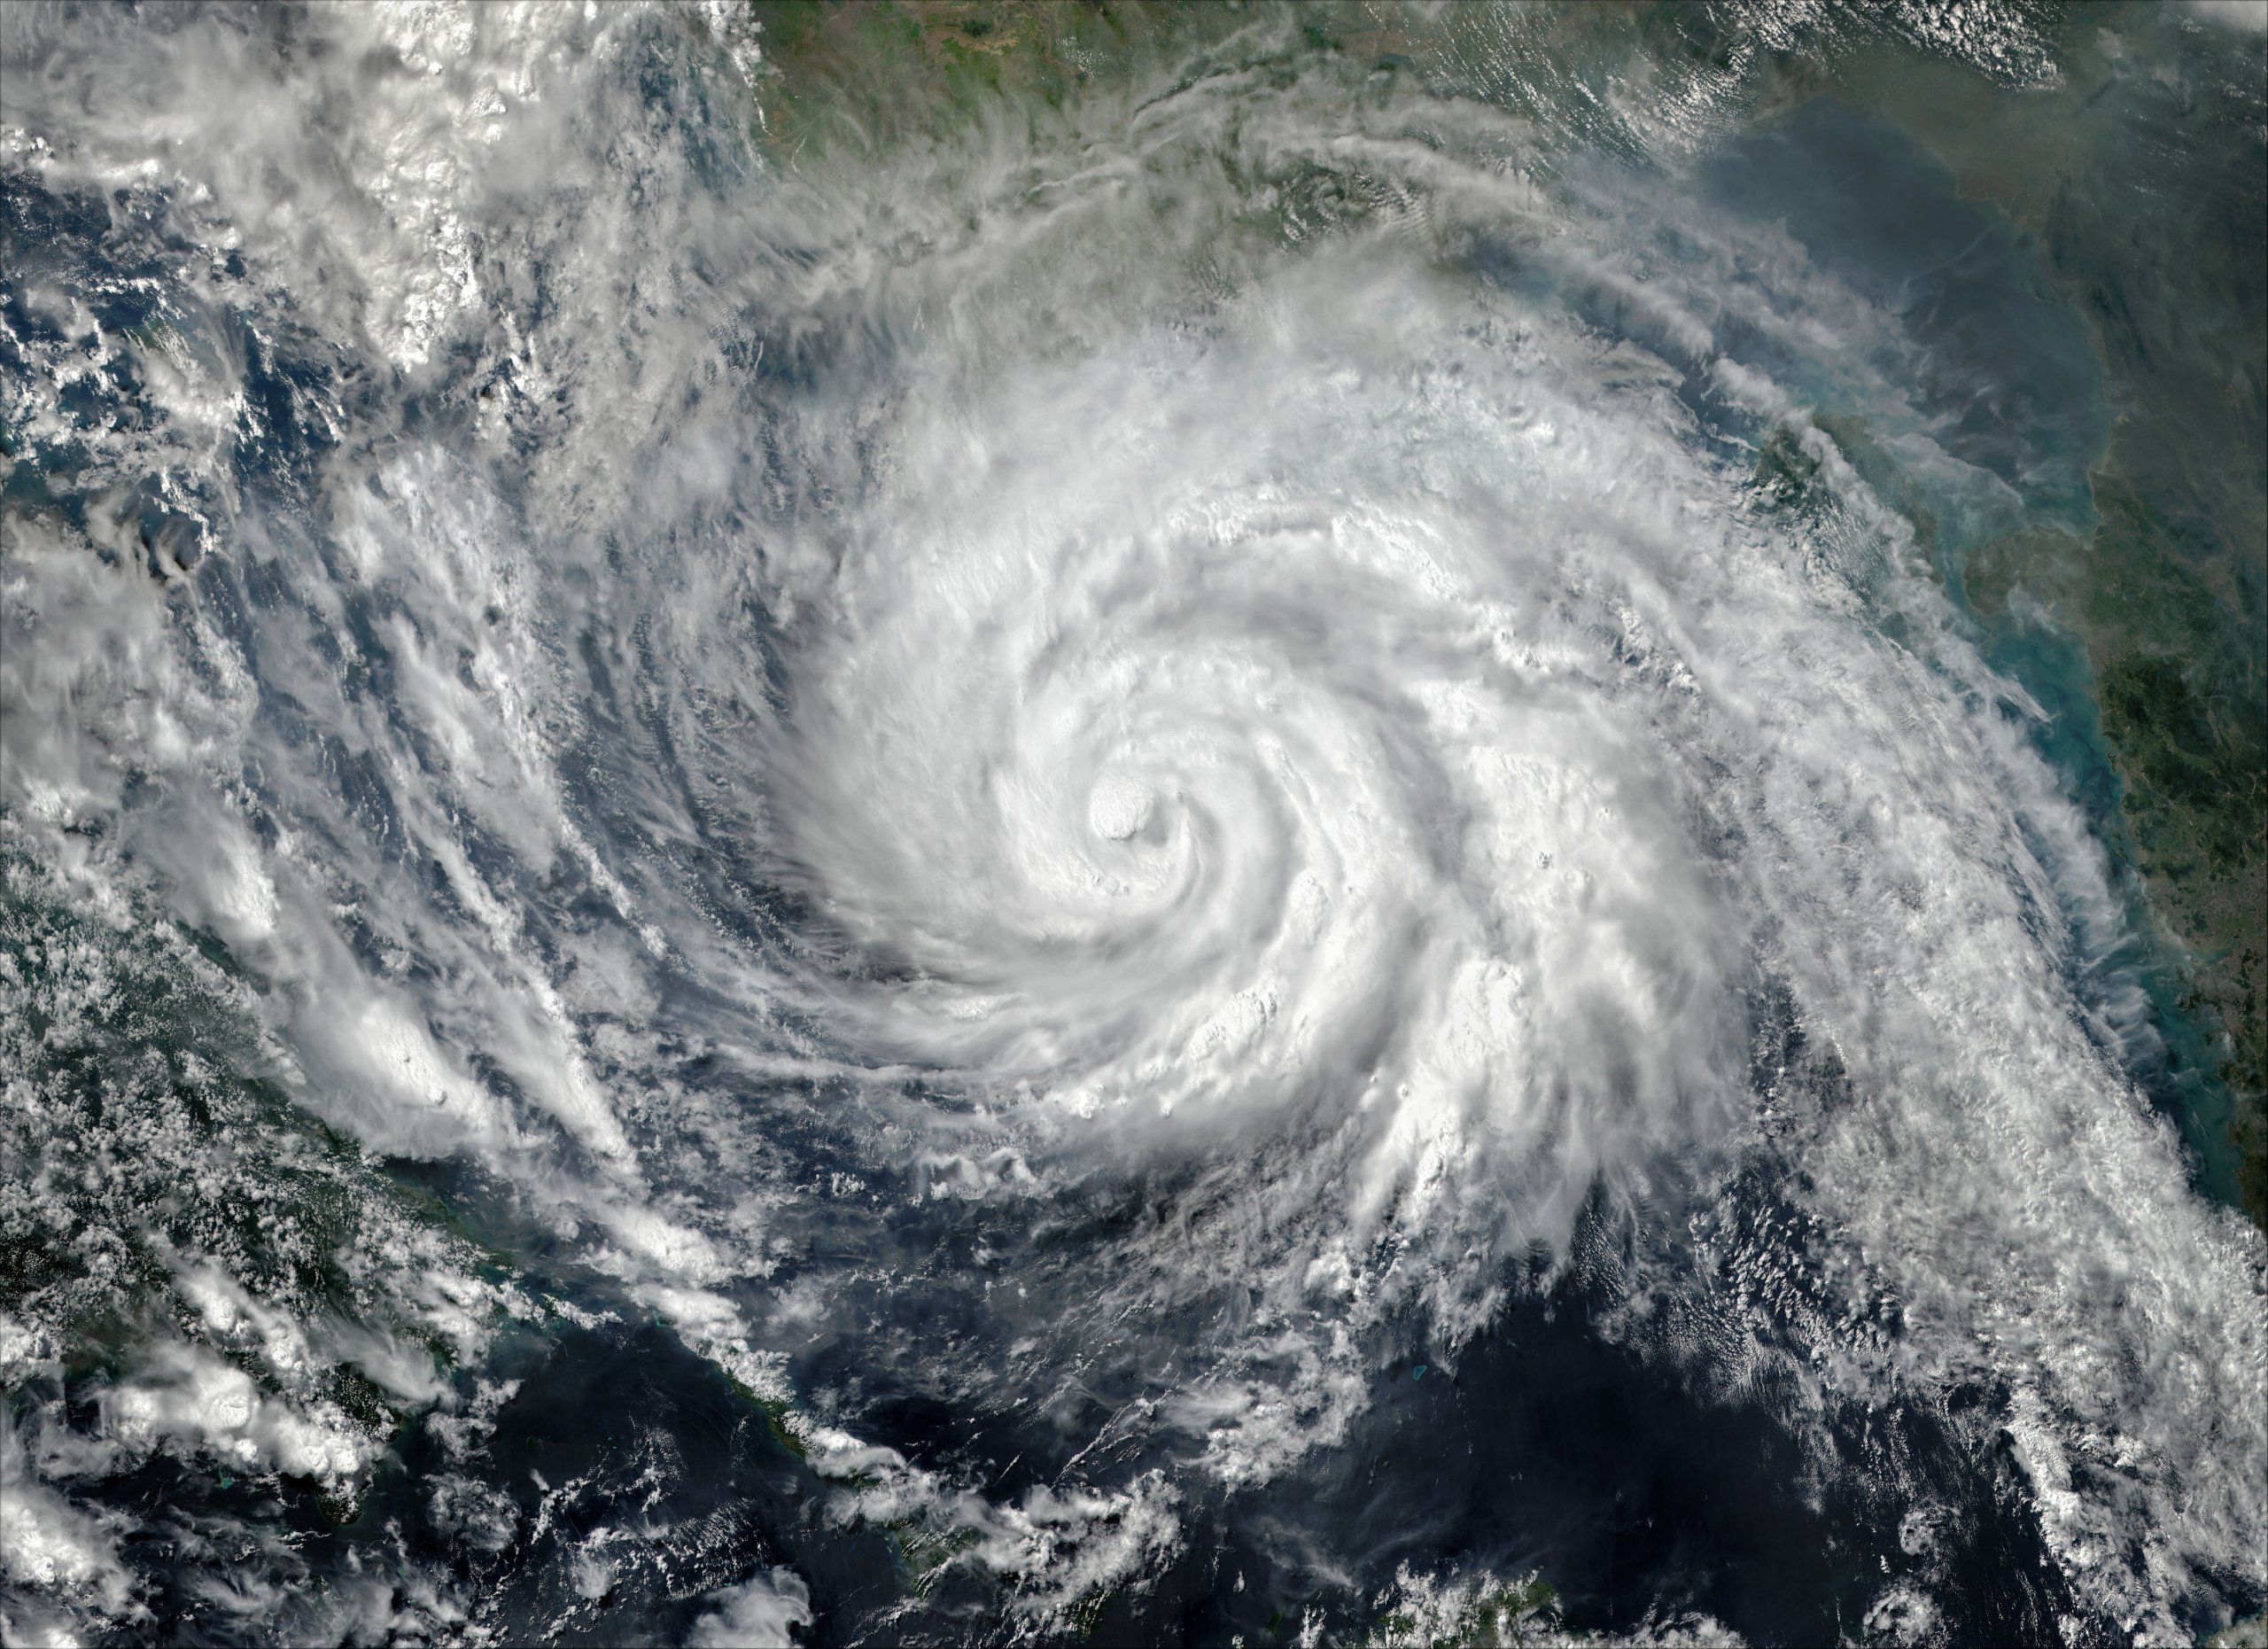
{"x":1101,"y":658}
{"x":762,"y":1612}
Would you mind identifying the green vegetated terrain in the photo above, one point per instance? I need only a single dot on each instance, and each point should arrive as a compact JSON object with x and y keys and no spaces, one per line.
{"x":2137,"y":173}
{"x":2142,"y":181}
{"x":874,"y":73}
{"x":156,"y":1177}
{"x":1498,"y":1616}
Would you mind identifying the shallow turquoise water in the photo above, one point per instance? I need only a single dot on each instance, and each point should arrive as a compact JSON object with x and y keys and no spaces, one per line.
{"x":2009,"y":385}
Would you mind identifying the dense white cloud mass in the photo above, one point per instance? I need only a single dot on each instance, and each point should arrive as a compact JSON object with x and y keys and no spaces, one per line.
{"x":761,"y":1610}
{"x":1177,"y":650}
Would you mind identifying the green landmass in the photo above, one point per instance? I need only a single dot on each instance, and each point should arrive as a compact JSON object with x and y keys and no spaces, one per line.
{"x":2138,"y":176}
{"x":144,"y":1130}
{"x":2140,"y":180}
{"x":872,"y":75}
{"x":1504,"y":1617}
{"x":926,"y":1551}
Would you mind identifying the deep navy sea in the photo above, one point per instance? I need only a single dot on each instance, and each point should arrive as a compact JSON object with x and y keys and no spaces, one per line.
{"x":801,"y":848}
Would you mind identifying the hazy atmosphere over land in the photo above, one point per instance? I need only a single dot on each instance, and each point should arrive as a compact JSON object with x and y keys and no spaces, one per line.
{"x":969,"y":822}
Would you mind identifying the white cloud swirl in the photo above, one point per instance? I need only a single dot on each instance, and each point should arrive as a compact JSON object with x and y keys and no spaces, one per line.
{"x":1233,"y":680}
{"x":1267,"y":721}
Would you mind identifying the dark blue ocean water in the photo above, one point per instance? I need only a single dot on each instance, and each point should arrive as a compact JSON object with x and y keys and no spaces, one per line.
{"x":2003,"y":377}
{"x":1568,"y":1439}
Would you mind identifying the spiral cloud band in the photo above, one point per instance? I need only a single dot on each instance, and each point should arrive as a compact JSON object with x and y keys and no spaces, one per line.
{"x":1104,"y":771}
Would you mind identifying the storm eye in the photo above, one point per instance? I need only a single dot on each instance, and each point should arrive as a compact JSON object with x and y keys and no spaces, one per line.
{"x":1120,"y":808}
{"x":1065,"y":821}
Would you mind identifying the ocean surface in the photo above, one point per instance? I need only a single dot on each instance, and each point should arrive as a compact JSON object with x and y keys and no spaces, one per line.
{"x":1225,"y":860}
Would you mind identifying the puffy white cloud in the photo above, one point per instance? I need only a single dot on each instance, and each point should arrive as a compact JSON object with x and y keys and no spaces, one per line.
{"x":1188,"y":638}
{"x":761,"y":1612}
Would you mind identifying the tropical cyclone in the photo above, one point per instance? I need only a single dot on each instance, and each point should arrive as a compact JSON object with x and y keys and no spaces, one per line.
{"x":1494,"y":756}
{"x":1095,"y":776}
